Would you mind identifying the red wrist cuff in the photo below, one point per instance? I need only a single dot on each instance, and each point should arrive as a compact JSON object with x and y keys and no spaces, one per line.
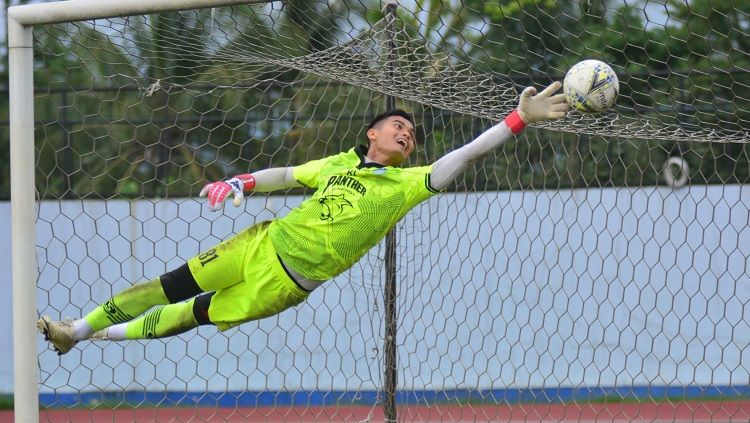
{"x":514,"y":122}
{"x":248,"y":181}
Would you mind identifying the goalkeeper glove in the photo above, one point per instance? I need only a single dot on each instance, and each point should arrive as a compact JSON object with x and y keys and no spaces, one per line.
{"x":217,"y":192}
{"x":533,"y":107}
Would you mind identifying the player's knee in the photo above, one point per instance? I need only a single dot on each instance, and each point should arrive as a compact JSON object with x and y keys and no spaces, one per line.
{"x":179,"y":284}
{"x":200,"y":308}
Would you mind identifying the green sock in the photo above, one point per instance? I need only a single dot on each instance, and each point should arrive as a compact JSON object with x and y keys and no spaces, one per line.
{"x":169,"y":320}
{"x":128,"y":304}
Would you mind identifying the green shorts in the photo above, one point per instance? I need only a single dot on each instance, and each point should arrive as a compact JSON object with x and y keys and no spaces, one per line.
{"x":248,"y":278}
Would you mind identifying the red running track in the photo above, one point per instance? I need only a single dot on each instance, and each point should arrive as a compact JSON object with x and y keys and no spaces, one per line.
{"x":708,"y":411}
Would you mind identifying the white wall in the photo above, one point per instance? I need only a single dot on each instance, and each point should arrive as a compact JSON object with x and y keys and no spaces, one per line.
{"x":498,"y":290}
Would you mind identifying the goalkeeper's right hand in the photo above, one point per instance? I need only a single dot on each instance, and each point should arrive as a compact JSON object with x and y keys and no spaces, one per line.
{"x":533,"y":107}
{"x":217,"y":192}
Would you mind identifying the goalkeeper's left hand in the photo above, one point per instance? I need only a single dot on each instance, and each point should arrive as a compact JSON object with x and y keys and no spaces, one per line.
{"x":533,"y":107}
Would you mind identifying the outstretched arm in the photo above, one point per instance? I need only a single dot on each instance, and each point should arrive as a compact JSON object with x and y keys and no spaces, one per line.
{"x":532,"y":108}
{"x":275,"y":178}
{"x":262,"y":181}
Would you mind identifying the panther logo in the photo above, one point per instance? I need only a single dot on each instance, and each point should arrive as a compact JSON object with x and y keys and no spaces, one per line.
{"x":333,"y":205}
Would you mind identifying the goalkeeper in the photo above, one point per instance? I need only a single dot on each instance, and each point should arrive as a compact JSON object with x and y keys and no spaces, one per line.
{"x":272,"y":266}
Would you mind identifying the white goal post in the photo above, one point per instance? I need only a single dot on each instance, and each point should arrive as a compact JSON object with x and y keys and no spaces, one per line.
{"x":21,"y":20}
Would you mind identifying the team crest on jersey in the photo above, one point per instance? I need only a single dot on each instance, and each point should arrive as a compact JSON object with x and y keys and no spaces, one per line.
{"x":333,"y":205}
{"x":380,"y":171}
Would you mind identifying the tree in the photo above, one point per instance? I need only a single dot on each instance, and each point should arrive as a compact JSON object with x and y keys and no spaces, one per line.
{"x":157,"y":106}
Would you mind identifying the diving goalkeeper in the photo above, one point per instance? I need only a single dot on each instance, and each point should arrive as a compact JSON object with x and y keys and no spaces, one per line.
{"x":272,"y":266}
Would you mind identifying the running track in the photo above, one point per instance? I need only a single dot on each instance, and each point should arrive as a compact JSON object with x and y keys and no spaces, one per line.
{"x":694,"y":411}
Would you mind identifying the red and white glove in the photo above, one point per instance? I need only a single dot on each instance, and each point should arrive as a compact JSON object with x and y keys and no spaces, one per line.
{"x":217,"y":192}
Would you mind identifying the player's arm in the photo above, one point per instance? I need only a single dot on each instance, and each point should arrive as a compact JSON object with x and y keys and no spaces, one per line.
{"x":532,"y":108}
{"x":262,"y":181}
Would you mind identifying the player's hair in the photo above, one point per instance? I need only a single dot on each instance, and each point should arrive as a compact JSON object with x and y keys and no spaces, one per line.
{"x":393,"y":112}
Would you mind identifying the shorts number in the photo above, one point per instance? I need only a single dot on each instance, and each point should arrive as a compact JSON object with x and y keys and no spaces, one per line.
{"x":208,"y":257}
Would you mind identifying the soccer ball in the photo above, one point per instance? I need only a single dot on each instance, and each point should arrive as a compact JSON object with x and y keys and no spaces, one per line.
{"x":591,"y":86}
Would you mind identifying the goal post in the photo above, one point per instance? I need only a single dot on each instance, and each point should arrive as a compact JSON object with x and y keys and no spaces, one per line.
{"x":21,"y":20}
{"x":23,"y":230}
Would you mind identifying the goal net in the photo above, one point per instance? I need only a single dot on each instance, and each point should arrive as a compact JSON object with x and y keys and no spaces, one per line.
{"x":592,"y":268}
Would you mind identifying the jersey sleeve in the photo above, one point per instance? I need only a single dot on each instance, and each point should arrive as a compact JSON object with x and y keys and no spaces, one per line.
{"x":417,"y":185}
{"x":307,"y":174}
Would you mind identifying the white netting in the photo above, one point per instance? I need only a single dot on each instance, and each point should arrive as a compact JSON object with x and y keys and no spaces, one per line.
{"x":560,"y":279}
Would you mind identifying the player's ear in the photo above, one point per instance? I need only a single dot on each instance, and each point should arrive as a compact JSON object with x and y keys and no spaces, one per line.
{"x":372,"y":134}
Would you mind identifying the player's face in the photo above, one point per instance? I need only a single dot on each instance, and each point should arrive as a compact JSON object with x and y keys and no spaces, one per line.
{"x":391,"y":140}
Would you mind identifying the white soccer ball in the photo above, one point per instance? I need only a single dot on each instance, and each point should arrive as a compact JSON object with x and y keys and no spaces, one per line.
{"x":591,"y":86}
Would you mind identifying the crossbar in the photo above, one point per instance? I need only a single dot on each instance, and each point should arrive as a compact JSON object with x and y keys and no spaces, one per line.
{"x":83,"y":10}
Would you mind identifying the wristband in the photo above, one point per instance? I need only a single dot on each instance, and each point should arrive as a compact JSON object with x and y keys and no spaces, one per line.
{"x":248,"y":181}
{"x":514,"y":122}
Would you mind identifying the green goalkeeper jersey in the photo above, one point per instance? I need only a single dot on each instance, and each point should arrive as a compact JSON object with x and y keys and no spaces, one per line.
{"x":354,"y":206}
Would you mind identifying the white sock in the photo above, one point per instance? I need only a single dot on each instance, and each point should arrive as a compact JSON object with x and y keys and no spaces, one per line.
{"x":82,"y":330}
{"x":117,"y":332}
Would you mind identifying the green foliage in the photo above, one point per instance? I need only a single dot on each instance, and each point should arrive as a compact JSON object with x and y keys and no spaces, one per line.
{"x":6,"y":402}
{"x":149,"y":106}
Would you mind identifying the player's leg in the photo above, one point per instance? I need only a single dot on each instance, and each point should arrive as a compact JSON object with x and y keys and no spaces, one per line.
{"x":214,"y":270}
{"x":218,"y":270}
{"x":169,"y":320}
{"x":169,"y":288}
